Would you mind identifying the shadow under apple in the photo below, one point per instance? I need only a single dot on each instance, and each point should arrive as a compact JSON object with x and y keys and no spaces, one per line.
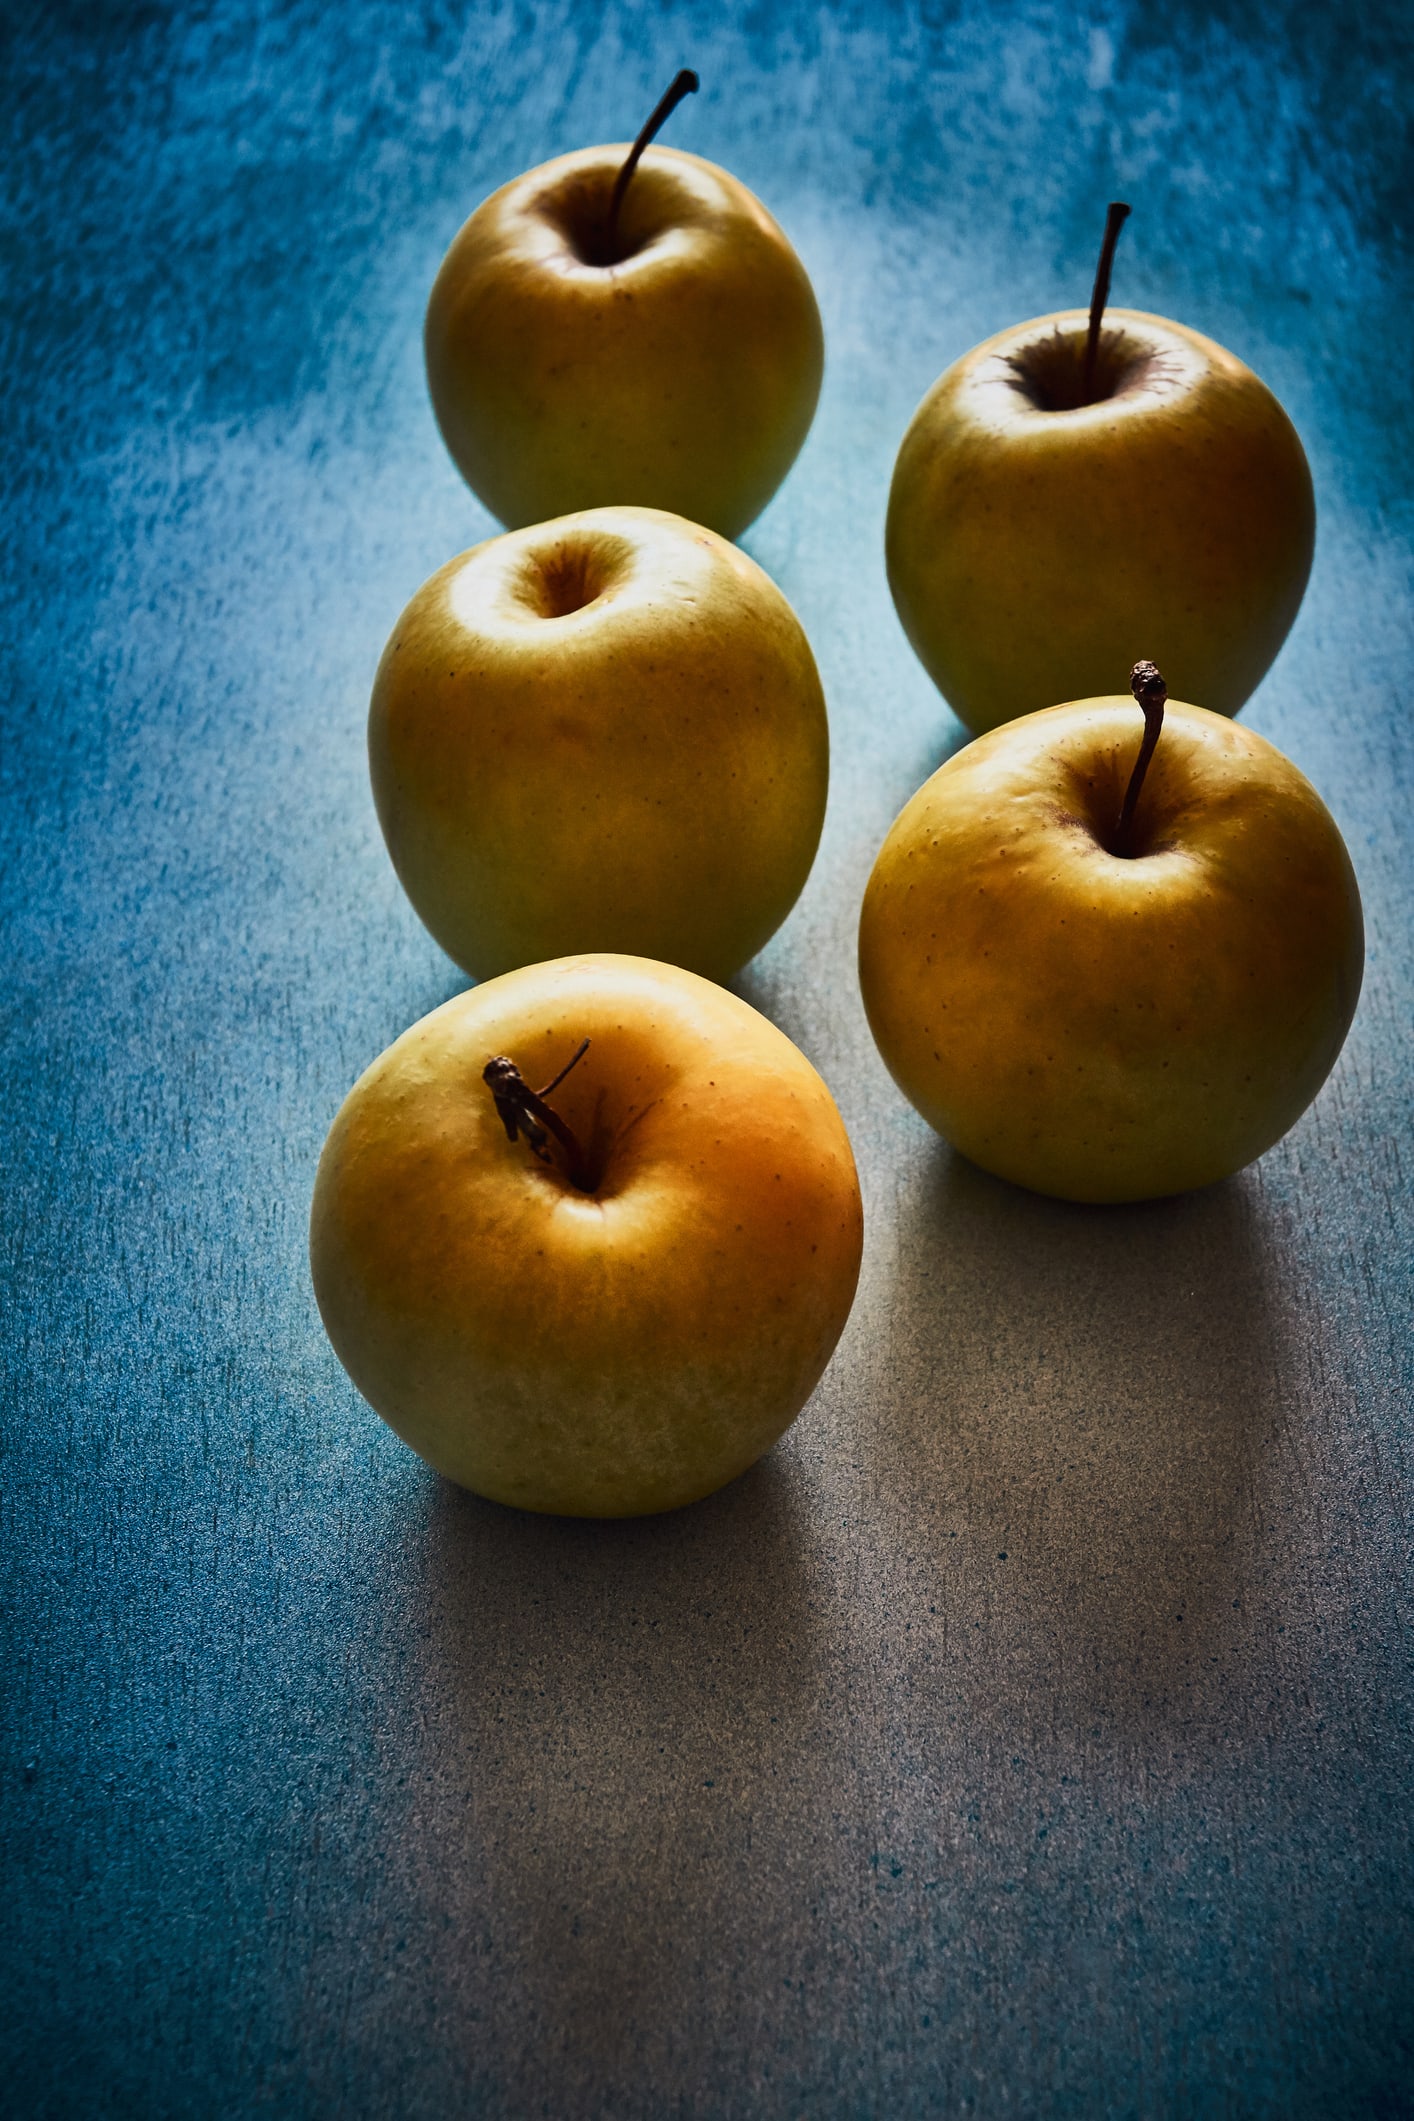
{"x":1078,"y":1401}
{"x":596,"y":1723}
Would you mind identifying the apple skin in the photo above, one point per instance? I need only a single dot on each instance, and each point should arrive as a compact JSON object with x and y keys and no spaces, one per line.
{"x":1029,"y":548}
{"x":1105,"y":1028}
{"x":604,"y":1354}
{"x":683,"y":376}
{"x":607,"y":733}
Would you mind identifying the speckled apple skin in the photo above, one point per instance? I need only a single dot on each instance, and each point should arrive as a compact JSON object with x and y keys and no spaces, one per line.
{"x":1029,"y":551}
{"x":1109,"y":1029}
{"x":604,"y":1354}
{"x":645,"y":774}
{"x":685,"y":376}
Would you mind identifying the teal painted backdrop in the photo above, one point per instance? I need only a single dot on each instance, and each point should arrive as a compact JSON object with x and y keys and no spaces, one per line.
{"x":1030,"y":1733}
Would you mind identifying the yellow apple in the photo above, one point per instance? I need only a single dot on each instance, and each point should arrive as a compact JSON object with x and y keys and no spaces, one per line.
{"x":1108,"y":1021}
{"x":601,"y":733}
{"x":680,"y":370}
{"x":1033,"y":537}
{"x":617,"y":1330}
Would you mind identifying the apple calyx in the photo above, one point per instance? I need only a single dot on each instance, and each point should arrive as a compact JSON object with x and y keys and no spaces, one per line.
{"x":1115,"y":218}
{"x":523,"y":1111}
{"x":684,"y":83}
{"x":1148,"y":687}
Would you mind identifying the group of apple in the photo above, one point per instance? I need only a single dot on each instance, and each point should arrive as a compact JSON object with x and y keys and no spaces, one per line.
{"x":587,"y":1235}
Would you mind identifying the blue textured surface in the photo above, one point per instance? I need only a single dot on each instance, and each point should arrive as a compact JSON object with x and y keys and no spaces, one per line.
{"x":1031,"y":1733}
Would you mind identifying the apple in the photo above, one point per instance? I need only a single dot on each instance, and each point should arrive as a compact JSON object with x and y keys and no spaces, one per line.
{"x":667,"y":352}
{"x":1037,"y":526}
{"x":1108,"y":985}
{"x":604,"y":1306}
{"x":601,"y":733}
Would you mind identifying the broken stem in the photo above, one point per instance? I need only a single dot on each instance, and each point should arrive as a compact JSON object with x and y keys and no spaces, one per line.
{"x":523,"y":1111}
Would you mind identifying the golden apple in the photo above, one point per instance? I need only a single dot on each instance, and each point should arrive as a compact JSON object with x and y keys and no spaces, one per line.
{"x":601,"y":733}
{"x":1112,"y":1019}
{"x":611,"y":1328}
{"x":675,"y":362}
{"x":1032,"y":536}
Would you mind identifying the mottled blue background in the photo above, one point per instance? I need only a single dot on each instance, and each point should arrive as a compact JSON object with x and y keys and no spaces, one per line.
{"x":1030,"y":1734}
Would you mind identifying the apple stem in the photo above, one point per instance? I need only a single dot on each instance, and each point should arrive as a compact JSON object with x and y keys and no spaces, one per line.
{"x":524,"y":1111}
{"x":1114,"y":221}
{"x":1151,"y":692}
{"x":684,"y":83}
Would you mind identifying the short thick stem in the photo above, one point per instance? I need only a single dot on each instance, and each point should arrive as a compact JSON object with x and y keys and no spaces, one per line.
{"x":1151,"y":692}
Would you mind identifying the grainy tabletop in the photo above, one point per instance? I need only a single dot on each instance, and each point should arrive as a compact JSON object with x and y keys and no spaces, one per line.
{"x":1030,"y":1733}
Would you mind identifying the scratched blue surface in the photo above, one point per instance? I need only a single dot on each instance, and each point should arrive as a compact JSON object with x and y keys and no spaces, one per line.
{"x":1030,"y":1734}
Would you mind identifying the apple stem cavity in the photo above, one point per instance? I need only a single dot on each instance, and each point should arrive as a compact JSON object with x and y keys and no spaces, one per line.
{"x":684,"y":83}
{"x":1148,"y":687}
{"x":523,"y":1111}
{"x":1115,"y":219}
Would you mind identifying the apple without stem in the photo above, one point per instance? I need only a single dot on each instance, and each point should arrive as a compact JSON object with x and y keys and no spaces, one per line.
{"x":674,"y":362}
{"x":605,"y":733}
{"x":1100,"y":1024}
{"x":605,"y":1348}
{"x":1032,"y":537}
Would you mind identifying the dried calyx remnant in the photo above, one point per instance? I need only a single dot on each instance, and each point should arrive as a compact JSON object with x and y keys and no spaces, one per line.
{"x":1148,"y":687}
{"x":523,"y":1111}
{"x":684,"y":83}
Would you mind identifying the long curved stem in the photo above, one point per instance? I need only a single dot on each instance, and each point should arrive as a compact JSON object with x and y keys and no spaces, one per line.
{"x":1114,"y":221}
{"x":684,"y":83}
